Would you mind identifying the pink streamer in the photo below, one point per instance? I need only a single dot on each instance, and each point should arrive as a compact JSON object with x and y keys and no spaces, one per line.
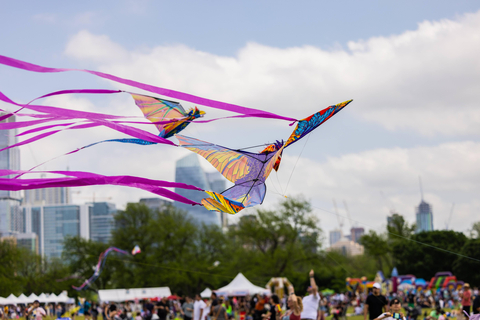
{"x":80,"y":178}
{"x":161,"y":91}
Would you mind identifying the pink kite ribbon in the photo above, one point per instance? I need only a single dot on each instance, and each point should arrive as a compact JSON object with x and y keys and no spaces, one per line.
{"x":158,"y":90}
{"x":81,"y":178}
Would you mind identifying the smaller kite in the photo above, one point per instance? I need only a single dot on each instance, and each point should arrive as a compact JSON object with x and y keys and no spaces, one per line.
{"x":136,"y":250}
{"x":101,"y":263}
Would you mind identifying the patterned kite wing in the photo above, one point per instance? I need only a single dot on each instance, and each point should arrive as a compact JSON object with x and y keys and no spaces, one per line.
{"x":233,"y":165}
{"x":307,"y":125}
{"x":156,"y":109}
{"x":219,"y":203}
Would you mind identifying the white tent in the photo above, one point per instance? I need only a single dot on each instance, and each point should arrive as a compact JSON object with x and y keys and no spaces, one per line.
{"x":23,"y":299}
{"x":42,"y":297}
{"x":117,"y":295}
{"x":11,"y":299}
{"x":33,"y":297}
{"x":240,"y":286}
{"x":206,"y":293}
{"x":3,"y":301}
{"x":51,"y":298}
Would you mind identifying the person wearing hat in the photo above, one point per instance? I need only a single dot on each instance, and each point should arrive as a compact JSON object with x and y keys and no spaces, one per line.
{"x":466,"y":298}
{"x":396,"y":308}
{"x":375,"y":303}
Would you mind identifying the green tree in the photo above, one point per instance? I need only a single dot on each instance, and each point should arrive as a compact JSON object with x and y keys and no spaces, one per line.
{"x":284,"y":242}
{"x":428,"y":252}
{"x":467,"y":267}
{"x":475,"y":231}
{"x":376,"y":246}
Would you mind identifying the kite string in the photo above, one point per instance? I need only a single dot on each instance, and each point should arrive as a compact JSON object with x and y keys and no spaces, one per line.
{"x":296,"y":162}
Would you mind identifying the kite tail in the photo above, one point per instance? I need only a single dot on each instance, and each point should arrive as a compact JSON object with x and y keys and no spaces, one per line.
{"x":98,"y":269}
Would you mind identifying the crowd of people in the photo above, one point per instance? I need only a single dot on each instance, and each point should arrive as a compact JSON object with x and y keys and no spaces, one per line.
{"x":410,"y":305}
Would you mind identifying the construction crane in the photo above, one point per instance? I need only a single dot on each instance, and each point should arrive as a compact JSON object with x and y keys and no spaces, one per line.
{"x":447,"y":223}
{"x":348,"y":215}
{"x":339,"y":218}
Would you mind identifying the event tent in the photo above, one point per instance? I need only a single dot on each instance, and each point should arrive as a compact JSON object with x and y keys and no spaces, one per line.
{"x":117,"y":295}
{"x":43,"y":298}
{"x":206,"y":293}
{"x":240,"y":286}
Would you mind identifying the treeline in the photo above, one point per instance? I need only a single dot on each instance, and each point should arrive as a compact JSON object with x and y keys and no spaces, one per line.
{"x":186,"y":257}
{"x":425,"y":253}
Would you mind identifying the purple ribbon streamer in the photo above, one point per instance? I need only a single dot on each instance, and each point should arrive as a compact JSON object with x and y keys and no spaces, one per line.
{"x":81,"y":178}
{"x":161,"y":91}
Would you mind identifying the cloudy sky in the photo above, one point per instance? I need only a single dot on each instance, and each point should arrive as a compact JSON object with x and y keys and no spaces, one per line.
{"x":412,"y":68}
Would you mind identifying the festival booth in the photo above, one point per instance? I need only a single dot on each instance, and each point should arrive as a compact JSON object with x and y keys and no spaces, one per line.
{"x":206,"y":293}
{"x":240,"y":286}
{"x":119,"y":295}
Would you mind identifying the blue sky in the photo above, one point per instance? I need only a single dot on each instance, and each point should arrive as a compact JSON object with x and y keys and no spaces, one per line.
{"x":410,"y":67}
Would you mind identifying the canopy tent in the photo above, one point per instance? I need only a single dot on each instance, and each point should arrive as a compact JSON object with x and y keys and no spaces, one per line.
{"x":206,"y":293}
{"x":43,"y":298}
{"x":240,"y":286}
{"x":118,"y":295}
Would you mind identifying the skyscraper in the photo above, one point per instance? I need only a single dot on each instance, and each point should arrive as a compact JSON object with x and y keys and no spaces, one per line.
{"x":47,"y":196}
{"x":356,"y":233}
{"x":424,"y":217}
{"x":335,"y":236}
{"x":102,"y":221}
{"x":10,"y":217}
{"x":189,"y":171}
{"x":52,"y":224}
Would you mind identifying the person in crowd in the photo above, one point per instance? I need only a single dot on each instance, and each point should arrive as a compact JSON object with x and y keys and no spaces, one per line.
{"x":294,"y":304}
{"x":94,"y":311}
{"x":86,"y":309}
{"x":375,"y":303}
{"x":162,"y":309}
{"x":187,"y":309}
{"x":395,"y":313}
{"x":466,"y":297}
{"x":38,"y":312}
{"x":275,"y":309}
{"x":338,"y":311}
{"x":59,"y":311}
{"x":198,"y":308}
{"x":476,"y":304}
{"x":218,"y":311}
{"x":111,"y":311}
{"x":322,"y":308}
{"x":311,"y":301}
{"x":435,"y":314}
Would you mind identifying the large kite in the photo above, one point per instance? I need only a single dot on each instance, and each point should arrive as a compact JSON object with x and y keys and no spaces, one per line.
{"x":248,"y":171}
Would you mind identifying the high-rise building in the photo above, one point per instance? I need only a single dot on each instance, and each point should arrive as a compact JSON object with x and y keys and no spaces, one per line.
{"x":424,"y":217}
{"x":47,"y":196}
{"x":10,"y":217}
{"x":189,"y":171}
{"x":155,"y":203}
{"x":53,"y":223}
{"x":102,"y":221}
{"x":335,"y":236}
{"x":356,"y":233}
{"x":27,"y":241}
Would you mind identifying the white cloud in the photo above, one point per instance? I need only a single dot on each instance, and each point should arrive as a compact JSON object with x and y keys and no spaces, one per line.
{"x":425,"y":80}
{"x":450,"y":173}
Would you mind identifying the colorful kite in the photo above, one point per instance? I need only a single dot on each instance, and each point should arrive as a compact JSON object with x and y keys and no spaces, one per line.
{"x":101,"y":263}
{"x":248,"y":171}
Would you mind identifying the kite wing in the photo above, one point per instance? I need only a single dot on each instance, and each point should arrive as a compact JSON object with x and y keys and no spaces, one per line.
{"x":307,"y":125}
{"x":158,"y":110}
{"x":247,"y":170}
